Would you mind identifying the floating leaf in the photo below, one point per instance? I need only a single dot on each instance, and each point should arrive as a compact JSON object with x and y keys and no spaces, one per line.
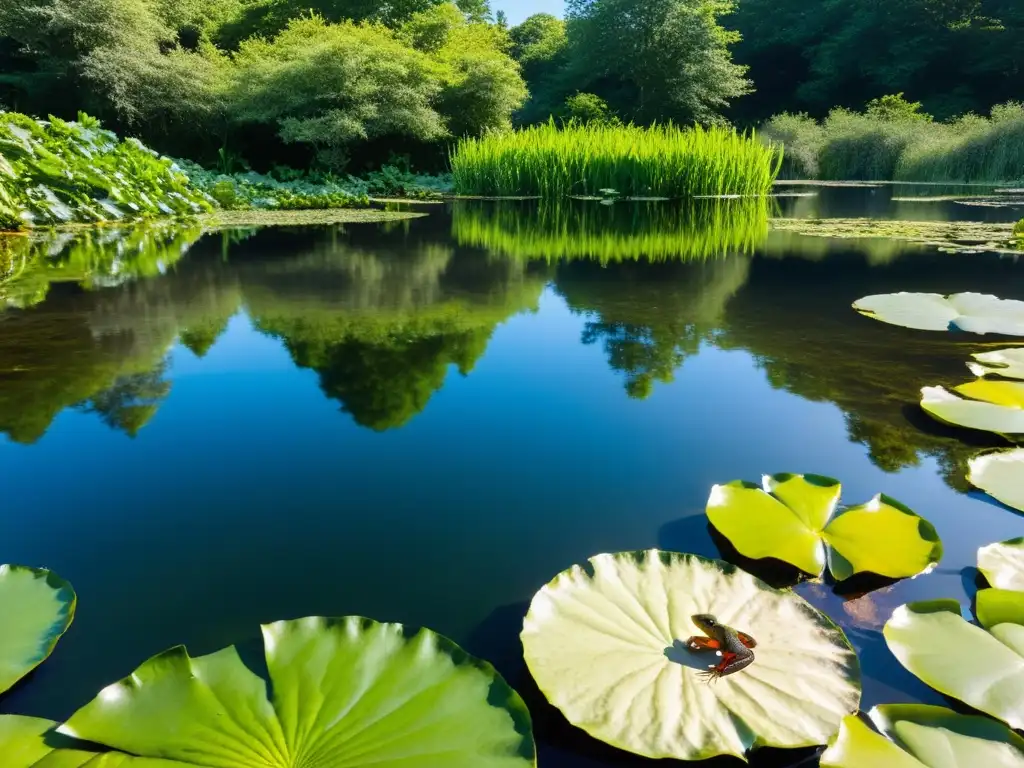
{"x":788,"y":518}
{"x":971,"y":312}
{"x":1003,"y":564}
{"x":607,"y":644}
{"x":345,"y":692}
{"x":982,"y":668}
{"x":37,"y":607}
{"x":1000,"y":475}
{"x":29,"y":742}
{"x":932,"y":737}
{"x":1003,"y":419}
{"x":1004,"y":362}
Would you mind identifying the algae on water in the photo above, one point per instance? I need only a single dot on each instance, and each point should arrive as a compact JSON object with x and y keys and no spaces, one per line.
{"x":55,"y":172}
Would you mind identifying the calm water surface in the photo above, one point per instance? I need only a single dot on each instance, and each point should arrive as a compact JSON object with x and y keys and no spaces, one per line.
{"x":425,"y":421}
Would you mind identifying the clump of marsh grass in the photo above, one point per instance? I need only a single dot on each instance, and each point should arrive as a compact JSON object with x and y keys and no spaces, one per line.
{"x":663,"y":160}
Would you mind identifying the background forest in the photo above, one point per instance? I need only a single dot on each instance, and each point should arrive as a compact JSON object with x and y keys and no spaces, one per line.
{"x":353,"y":84}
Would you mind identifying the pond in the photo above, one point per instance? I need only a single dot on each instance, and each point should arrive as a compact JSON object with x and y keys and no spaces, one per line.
{"x":424,"y":421}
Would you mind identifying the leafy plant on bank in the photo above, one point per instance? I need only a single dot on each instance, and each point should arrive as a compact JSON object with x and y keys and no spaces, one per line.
{"x":55,"y":172}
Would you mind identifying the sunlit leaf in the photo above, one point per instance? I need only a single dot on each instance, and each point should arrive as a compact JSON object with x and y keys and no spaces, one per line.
{"x":971,"y":312}
{"x":345,"y":692}
{"x":943,"y":405}
{"x":982,"y":668}
{"x":607,"y":644}
{"x":29,"y":742}
{"x":1001,"y":475}
{"x":1004,"y":362}
{"x":1003,"y":564}
{"x":793,"y":518}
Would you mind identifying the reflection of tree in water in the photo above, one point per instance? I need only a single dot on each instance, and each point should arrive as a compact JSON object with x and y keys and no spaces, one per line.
{"x":131,"y":401}
{"x":794,"y":316}
{"x":650,"y":317}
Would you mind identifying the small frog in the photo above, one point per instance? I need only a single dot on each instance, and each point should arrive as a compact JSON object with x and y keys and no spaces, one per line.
{"x":734,"y":647}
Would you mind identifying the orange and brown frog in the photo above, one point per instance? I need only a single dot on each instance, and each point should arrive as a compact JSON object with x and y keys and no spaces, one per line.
{"x":734,"y":647}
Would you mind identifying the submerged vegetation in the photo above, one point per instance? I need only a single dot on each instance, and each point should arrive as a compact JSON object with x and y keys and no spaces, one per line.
{"x":662,"y":161}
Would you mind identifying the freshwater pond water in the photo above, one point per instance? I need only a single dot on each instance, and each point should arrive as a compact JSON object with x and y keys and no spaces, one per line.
{"x":425,"y":421}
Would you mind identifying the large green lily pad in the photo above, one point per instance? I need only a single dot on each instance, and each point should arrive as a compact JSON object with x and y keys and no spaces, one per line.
{"x":29,"y":742}
{"x":607,"y":644}
{"x":346,"y":692}
{"x":923,"y":737}
{"x":990,"y":406}
{"x":971,"y":312}
{"x":793,"y":518}
{"x":37,"y":607}
{"x":1003,"y":564}
{"x":982,"y":668}
{"x":1000,"y":475}
{"x":1008,"y":363}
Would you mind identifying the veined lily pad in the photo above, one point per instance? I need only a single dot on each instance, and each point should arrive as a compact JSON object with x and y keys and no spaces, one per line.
{"x":607,"y":644}
{"x":793,"y":518}
{"x":1003,"y":564}
{"x":923,"y":737}
{"x":1000,"y":475}
{"x":28,"y":742}
{"x":37,"y":607}
{"x":971,"y":312}
{"x":346,"y":692}
{"x":1005,"y":362}
{"x":982,"y":668}
{"x":991,"y":408}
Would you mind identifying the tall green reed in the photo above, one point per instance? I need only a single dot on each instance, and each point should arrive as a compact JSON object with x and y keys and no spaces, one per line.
{"x":663,"y":160}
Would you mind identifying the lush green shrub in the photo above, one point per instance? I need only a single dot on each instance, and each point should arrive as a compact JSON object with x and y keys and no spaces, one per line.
{"x":254,"y":190}
{"x":803,"y":138}
{"x":589,"y":108}
{"x":578,"y":159}
{"x":54,"y":172}
{"x":1018,"y":229}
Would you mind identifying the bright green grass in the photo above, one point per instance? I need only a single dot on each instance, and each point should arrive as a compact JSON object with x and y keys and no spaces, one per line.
{"x":664,"y":160}
{"x":698,"y":230}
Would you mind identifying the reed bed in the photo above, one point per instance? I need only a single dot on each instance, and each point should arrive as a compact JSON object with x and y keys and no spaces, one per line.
{"x":695,"y":231}
{"x":663,"y":160}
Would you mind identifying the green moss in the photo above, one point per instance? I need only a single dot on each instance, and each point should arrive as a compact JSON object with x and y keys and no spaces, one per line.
{"x":55,"y":172}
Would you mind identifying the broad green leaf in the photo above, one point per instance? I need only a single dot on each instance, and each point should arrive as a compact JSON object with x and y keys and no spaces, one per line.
{"x":346,"y":692}
{"x":1004,"y":362}
{"x":1000,"y":606}
{"x":971,"y":312}
{"x":37,"y":607}
{"x":606,"y":643}
{"x":29,"y":742}
{"x":1003,"y":564}
{"x":788,"y":519}
{"x":960,"y":659}
{"x":1008,"y":393}
{"x":1000,"y":475}
{"x":973,"y":414}
{"x":933,"y":737}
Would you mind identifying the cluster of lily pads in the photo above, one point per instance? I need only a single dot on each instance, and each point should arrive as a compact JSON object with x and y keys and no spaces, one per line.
{"x":56,"y":172}
{"x":605,"y":642}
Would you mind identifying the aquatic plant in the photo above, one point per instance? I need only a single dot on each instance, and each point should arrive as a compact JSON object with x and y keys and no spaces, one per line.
{"x":922,"y":736}
{"x":55,"y":172}
{"x":1002,"y":564}
{"x":606,"y":642}
{"x":983,"y":404}
{"x":558,"y":231}
{"x":1008,"y":363}
{"x":971,"y":312}
{"x":1001,"y":476}
{"x":982,"y":666}
{"x":793,"y":518}
{"x":662,"y":160}
{"x":39,"y":606}
{"x":344,"y":691}
{"x":1018,"y":229}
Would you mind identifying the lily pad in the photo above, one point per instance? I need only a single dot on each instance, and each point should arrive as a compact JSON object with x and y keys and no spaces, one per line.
{"x":1003,"y":564}
{"x":793,"y":518}
{"x":984,"y":669}
{"x":345,"y":692}
{"x":970,"y":312}
{"x":999,"y":415}
{"x":37,"y":607}
{"x":1004,"y":362}
{"x":607,"y":644}
{"x":1000,"y":475}
{"x":923,"y":737}
{"x":30,"y":742}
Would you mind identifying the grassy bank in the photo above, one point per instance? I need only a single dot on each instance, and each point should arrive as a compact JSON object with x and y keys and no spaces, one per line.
{"x":551,"y":161}
{"x":903,"y":144}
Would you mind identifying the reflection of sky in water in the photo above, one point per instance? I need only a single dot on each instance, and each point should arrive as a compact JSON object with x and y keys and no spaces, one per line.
{"x":249,"y":497}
